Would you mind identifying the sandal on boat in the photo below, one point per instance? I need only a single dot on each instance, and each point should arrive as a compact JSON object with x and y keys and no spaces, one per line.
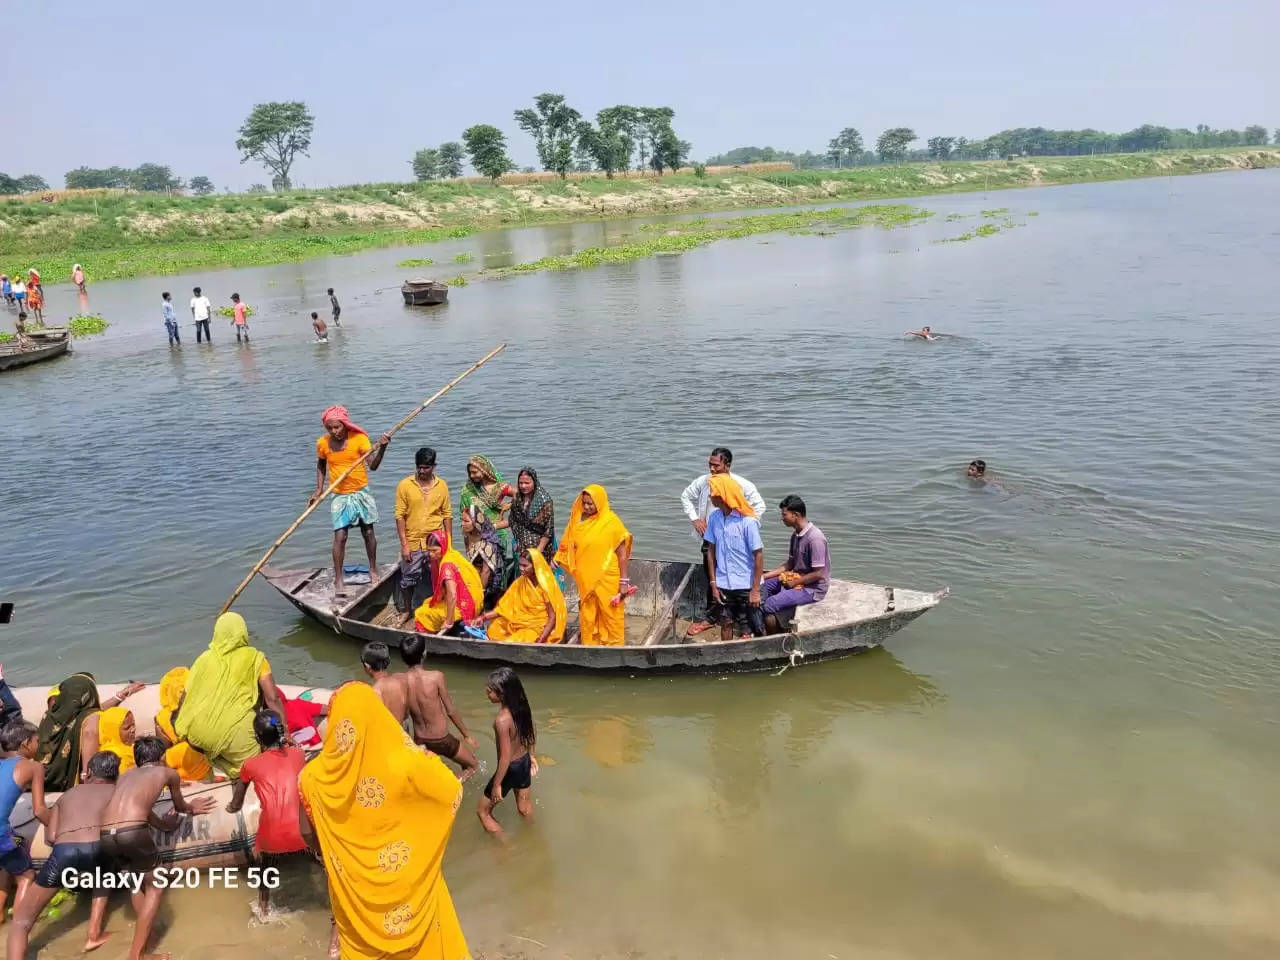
{"x":702,"y":626}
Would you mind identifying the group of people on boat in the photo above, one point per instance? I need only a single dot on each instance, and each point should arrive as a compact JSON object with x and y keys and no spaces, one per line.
{"x":372,"y":799}
{"x":505,"y":580}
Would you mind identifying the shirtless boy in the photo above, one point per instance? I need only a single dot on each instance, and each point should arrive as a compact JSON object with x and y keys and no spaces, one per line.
{"x":74,"y":825}
{"x":375,"y":658}
{"x":924,"y":333}
{"x":126,"y":838}
{"x":19,"y":772}
{"x":431,"y":710}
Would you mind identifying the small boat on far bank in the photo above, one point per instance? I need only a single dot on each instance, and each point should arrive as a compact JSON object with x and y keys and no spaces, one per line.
{"x":424,"y":293}
{"x":40,"y":345}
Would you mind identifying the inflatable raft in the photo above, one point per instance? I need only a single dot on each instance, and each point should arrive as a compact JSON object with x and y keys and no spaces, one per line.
{"x":213,"y":839}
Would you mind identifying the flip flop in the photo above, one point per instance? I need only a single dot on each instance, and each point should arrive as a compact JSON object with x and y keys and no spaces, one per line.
{"x":696,"y":628}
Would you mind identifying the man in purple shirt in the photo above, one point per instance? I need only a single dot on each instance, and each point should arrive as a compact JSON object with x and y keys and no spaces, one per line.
{"x":806,"y":575}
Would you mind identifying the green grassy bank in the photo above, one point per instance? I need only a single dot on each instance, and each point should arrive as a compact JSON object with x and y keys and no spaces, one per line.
{"x":125,"y":235}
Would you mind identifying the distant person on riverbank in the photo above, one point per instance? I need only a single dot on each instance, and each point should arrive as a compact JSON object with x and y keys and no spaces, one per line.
{"x":170,"y":318}
{"x":804,"y":578}
{"x":200,"y":310}
{"x":20,"y":293}
{"x":337,"y":308}
{"x":431,"y":711}
{"x":318,"y":325}
{"x":35,"y":303}
{"x":6,"y":289}
{"x":343,"y":445}
{"x":73,"y":831}
{"x":696,"y":501}
{"x":274,"y":775}
{"x":376,"y":660}
{"x":924,"y":333}
{"x":239,"y":317}
{"x":77,"y":277}
{"x":514,"y":734}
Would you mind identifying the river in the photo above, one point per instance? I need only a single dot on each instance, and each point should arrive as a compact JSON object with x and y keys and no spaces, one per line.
{"x":1070,"y":757}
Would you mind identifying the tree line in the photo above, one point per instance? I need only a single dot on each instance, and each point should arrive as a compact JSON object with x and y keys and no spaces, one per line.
{"x":894,"y":145}
{"x":565,"y":141}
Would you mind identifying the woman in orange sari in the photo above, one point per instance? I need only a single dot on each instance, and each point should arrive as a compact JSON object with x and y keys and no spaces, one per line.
{"x":596,"y":549}
{"x":382,"y":811}
{"x":457,"y":593}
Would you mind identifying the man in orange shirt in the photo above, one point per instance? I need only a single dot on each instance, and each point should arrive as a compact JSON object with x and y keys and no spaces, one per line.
{"x":343,"y":444}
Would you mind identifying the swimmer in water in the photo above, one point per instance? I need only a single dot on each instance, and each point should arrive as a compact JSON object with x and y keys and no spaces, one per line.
{"x":924,"y":333}
{"x":977,"y":474}
{"x":977,"y":468}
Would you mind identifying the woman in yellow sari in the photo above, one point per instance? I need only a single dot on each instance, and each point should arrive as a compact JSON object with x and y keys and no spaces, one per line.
{"x":223,"y":690}
{"x":116,"y":733}
{"x":382,"y":811}
{"x":457,"y":594}
{"x":596,"y":549}
{"x":532,"y":610}
{"x":182,"y":756}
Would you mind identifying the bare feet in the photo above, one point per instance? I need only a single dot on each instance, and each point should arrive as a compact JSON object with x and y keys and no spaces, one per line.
{"x":467,"y":774}
{"x":334,"y":950}
{"x":93,"y":943}
{"x":490,"y":824}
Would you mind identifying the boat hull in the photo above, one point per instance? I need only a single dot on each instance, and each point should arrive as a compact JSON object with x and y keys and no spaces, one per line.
{"x":11,"y":360}
{"x":424,"y":294}
{"x":856,"y":620}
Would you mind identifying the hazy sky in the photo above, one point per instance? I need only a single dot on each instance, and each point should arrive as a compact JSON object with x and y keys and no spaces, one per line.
{"x":127,"y":82}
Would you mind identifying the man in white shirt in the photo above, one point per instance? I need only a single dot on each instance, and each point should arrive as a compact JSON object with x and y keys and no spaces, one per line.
{"x":200,"y":310}
{"x":696,"y":501}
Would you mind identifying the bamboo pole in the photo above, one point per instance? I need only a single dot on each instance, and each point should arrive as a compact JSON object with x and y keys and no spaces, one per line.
{"x":311,"y":507}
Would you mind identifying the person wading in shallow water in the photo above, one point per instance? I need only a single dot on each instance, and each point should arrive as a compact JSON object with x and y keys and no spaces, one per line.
{"x":342,"y":445}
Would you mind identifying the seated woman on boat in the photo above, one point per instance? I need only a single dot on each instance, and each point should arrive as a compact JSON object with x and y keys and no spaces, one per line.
{"x":532,"y":516}
{"x":533,"y":608}
{"x":486,"y":489}
{"x":456,"y":590}
{"x":484,"y":550}
{"x":596,"y":549}
{"x":182,"y":756}
{"x":223,"y":690}
{"x":117,"y":731}
{"x":69,"y":733}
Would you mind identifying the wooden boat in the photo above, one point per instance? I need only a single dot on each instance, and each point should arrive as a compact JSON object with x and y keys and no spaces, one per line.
{"x":41,"y":345}
{"x":853,"y":618}
{"x":213,"y":839}
{"x":419,"y":293}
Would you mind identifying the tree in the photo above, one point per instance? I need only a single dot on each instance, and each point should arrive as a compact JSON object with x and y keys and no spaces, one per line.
{"x":257,"y":188}
{"x":670,"y":152}
{"x":652,"y":124}
{"x":892,"y":144}
{"x":940,"y":147}
{"x":154,"y":178}
{"x":87,"y":178}
{"x":201,"y":186}
{"x":487,"y":148}
{"x":274,"y":134}
{"x":1255,"y":136}
{"x":31,"y":182}
{"x":553,"y":124}
{"x":426,"y":164}
{"x":611,"y":141}
{"x":451,"y":155}
{"x":8,"y":185}
{"x":845,"y":147}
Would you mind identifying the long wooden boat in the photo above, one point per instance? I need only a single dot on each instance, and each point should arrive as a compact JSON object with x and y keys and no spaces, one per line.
{"x":853,"y":617}
{"x":41,"y":345}
{"x":419,"y":293}
{"x":213,"y":839}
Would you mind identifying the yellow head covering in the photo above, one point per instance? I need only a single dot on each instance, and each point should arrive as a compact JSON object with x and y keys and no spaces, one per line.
{"x":522,"y":611}
{"x":190,"y":763}
{"x":109,"y":724}
{"x":589,"y":542}
{"x":222,"y":687}
{"x":383,"y":811}
{"x":551,"y":589}
{"x":730,"y":491}
{"x":171,"y":687}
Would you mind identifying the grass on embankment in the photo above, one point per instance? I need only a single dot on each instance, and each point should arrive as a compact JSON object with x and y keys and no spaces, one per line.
{"x":117,"y":234}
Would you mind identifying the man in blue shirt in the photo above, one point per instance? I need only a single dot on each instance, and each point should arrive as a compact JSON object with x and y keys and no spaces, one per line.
{"x":170,"y":319}
{"x":735,"y":558}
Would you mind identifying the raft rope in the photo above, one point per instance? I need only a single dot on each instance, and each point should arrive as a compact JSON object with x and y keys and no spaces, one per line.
{"x":795,"y":655}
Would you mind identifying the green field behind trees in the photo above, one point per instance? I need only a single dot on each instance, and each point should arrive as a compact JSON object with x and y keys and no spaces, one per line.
{"x":123,"y":234}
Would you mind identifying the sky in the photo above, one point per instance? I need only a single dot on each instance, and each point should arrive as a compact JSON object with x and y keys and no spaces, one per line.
{"x":129,"y":82}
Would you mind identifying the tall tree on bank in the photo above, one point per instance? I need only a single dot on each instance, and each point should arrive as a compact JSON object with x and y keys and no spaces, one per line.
{"x":553,"y":124}
{"x":154,"y":178}
{"x":670,"y":152}
{"x":1255,"y":136}
{"x":892,"y":144}
{"x":612,"y":140}
{"x":845,"y":148}
{"x":940,"y":147}
{"x":274,"y":134}
{"x":88,"y":178}
{"x":451,"y":158}
{"x":201,"y":186}
{"x":426,"y":164}
{"x":487,"y":148}
{"x":31,"y":182}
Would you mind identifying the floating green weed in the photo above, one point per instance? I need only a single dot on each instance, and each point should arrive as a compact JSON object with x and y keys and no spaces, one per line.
{"x":463,"y":258}
{"x":998,"y":211}
{"x":987,"y":230}
{"x":231,"y":311}
{"x":87,"y":325}
{"x":459,"y":281}
{"x":416,"y":262}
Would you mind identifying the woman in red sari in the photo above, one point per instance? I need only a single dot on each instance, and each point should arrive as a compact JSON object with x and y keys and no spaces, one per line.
{"x":457,"y":595}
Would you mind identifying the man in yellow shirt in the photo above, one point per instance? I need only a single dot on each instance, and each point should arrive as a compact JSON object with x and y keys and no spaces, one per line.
{"x":422,"y":507}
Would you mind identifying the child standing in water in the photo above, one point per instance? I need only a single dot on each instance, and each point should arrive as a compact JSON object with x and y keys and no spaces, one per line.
{"x":319,"y":326}
{"x":515,"y":736}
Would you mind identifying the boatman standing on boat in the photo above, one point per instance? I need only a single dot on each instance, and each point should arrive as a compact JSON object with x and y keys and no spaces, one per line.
{"x":343,"y":444}
{"x":696,"y":501}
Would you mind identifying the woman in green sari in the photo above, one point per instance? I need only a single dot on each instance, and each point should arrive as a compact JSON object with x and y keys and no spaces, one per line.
{"x":69,"y":729}
{"x":486,"y":489}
